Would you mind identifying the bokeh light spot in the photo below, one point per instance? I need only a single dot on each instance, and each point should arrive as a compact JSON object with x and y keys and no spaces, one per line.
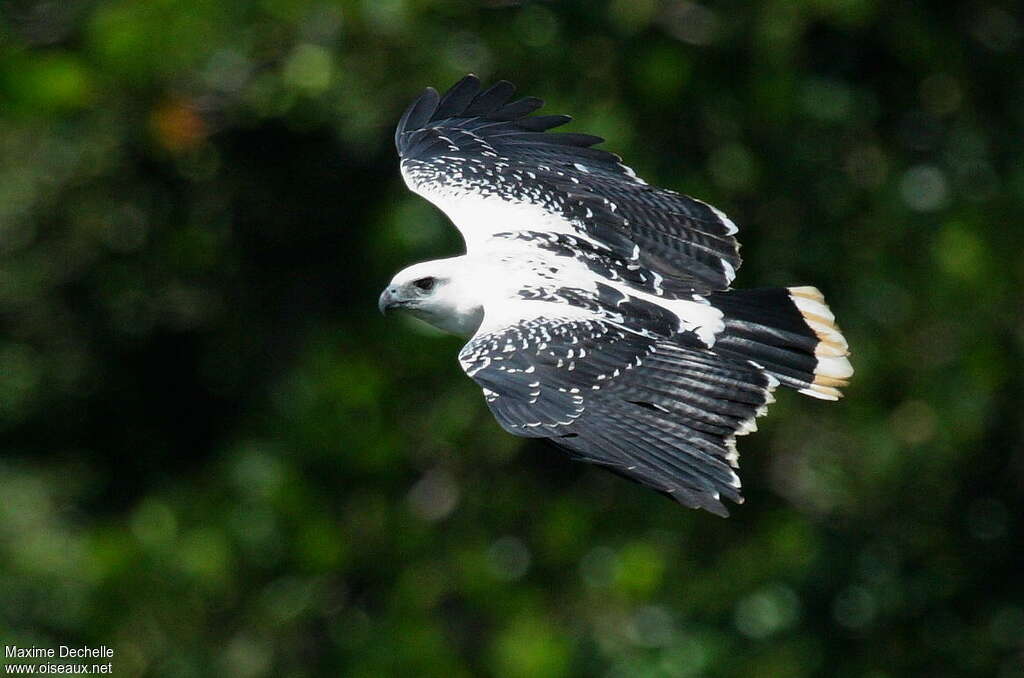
{"x":509,"y":558}
{"x":924,"y":188}
{"x":434,"y":496}
{"x":767,"y":611}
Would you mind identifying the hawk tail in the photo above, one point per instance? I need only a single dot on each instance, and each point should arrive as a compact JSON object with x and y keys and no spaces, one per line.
{"x":790,"y":333}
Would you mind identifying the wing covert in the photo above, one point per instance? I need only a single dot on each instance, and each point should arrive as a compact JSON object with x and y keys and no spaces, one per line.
{"x":655,"y":412}
{"x":492,"y":167}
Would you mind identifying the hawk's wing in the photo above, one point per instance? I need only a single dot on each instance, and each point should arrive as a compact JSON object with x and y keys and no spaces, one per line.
{"x":658,"y":413}
{"x":493,"y":168}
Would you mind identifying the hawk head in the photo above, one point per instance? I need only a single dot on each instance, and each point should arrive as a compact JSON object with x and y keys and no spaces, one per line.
{"x":441,"y":293}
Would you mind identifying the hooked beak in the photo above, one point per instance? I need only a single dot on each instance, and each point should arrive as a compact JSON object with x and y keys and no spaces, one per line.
{"x":387,"y":299}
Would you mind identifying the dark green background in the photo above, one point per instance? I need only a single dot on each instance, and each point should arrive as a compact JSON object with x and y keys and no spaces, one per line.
{"x":218,"y":459}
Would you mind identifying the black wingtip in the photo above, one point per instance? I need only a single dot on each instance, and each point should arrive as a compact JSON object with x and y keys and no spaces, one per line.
{"x":419,"y":112}
{"x":491,"y":99}
{"x":542,"y":123}
{"x":517,"y":109}
{"x":458,"y":97}
{"x":467,"y":99}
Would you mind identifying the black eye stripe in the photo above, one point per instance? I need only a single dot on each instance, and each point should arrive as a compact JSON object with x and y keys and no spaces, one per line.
{"x":425,"y":284}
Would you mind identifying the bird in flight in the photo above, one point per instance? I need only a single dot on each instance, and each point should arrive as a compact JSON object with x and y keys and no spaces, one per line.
{"x":598,"y":308}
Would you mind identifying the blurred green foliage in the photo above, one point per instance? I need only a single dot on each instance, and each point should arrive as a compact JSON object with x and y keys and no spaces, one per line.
{"x":219,"y":460}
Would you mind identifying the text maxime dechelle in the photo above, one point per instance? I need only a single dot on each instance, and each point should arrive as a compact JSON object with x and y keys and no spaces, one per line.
{"x":61,"y":652}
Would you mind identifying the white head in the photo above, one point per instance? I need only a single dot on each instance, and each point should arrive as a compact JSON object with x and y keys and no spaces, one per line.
{"x":441,"y":293}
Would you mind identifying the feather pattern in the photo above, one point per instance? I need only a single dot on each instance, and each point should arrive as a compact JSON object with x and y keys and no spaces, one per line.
{"x":599,"y":306}
{"x":473,"y":153}
{"x":659,"y":413}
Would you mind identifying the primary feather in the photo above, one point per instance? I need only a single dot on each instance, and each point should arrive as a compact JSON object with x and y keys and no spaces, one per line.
{"x":492,"y":168}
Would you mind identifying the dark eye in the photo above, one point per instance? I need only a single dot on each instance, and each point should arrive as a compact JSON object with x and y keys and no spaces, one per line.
{"x":425,"y":284}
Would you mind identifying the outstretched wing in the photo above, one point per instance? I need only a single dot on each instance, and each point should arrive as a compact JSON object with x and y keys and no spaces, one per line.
{"x":493,"y":168}
{"x":658,"y":413}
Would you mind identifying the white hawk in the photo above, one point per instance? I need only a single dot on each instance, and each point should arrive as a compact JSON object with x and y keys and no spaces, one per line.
{"x":599,"y":307}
